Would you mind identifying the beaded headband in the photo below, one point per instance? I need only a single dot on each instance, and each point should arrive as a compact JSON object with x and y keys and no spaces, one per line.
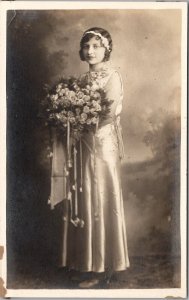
{"x":104,"y":40}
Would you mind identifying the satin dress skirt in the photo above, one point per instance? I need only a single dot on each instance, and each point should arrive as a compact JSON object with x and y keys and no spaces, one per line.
{"x":101,"y":244}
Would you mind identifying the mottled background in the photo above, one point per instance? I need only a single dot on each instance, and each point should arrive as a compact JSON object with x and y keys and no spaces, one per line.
{"x":41,"y":47}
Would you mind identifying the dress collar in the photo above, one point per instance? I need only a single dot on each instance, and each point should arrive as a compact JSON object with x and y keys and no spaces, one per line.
{"x":101,"y":73}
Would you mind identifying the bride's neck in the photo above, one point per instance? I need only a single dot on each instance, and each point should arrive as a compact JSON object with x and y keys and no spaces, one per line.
{"x":97,"y":67}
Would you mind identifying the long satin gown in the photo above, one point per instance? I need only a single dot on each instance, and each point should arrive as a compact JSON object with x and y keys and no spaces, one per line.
{"x":101,"y":244}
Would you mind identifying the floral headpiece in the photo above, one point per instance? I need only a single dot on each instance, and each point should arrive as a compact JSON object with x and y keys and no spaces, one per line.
{"x":104,"y":40}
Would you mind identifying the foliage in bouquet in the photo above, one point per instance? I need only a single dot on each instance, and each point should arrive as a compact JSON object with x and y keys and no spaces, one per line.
{"x":76,"y":101}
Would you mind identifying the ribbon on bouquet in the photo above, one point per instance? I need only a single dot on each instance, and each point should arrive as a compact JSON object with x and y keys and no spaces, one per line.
{"x":72,"y":161}
{"x":67,"y":175}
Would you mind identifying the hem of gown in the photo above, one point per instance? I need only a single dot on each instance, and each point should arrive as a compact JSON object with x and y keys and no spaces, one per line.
{"x":95,"y":270}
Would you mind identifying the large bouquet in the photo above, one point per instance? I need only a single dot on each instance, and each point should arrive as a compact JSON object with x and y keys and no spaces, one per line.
{"x":75,"y":107}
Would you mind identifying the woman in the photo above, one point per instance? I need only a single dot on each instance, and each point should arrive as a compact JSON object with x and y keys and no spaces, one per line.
{"x":100,"y":245}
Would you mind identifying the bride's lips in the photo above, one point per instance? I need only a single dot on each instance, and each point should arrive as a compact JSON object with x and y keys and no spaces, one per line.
{"x":90,"y":57}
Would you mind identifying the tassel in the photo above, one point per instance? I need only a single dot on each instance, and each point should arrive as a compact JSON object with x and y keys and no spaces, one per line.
{"x":68,"y":145}
{"x":71,"y":204}
{"x":68,"y":138}
{"x":75,"y":181}
{"x":96,"y":208}
{"x":76,"y":221}
{"x":81,"y":167}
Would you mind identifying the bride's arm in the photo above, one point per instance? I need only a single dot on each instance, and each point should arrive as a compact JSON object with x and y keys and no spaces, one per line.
{"x":114,"y":91}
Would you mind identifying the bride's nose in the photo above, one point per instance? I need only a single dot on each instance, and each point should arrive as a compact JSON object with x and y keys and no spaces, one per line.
{"x":90,"y":50}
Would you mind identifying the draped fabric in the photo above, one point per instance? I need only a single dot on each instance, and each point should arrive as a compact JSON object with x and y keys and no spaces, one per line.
{"x":101,"y":243}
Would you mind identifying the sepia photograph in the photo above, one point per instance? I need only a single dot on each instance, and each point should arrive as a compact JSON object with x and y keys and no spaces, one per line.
{"x":94,"y":135}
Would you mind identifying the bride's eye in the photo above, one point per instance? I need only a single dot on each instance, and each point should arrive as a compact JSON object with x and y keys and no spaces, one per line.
{"x":96,"y":46}
{"x":85,"y":46}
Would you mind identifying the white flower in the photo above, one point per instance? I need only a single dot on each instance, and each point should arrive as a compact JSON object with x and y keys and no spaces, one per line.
{"x":86,"y":109}
{"x":77,"y":110}
{"x":94,"y":120}
{"x":71,"y":94}
{"x":58,"y":88}
{"x":61,"y":92}
{"x":70,"y":114}
{"x":94,"y":87}
{"x":88,"y":122}
{"x":64,"y":101}
{"x":80,"y":102}
{"x":84,"y":116}
{"x":76,"y":87}
{"x":96,"y":105}
{"x":96,"y":95}
{"x":80,"y":95}
{"x":66,"y":91}
{"x":54,"y":97}
{"x":63,"y":119}
{"x":86,"y":98}
{"x":93,"y":111}
{"x":72,"y":120}
{"x":92,"y":93}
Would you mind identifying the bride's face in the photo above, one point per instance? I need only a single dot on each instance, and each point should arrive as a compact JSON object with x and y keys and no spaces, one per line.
{"x":93,"y":51}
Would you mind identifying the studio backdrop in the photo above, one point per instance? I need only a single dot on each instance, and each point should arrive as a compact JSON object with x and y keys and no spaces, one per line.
{"x":42,"y":46}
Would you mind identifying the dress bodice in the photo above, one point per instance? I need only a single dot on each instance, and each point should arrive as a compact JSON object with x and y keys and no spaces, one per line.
{"x":110,"y":80}
{"x":99,"y":79}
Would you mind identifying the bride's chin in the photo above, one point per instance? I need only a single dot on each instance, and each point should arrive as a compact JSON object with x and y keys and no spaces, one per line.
{"x":91,"y":62}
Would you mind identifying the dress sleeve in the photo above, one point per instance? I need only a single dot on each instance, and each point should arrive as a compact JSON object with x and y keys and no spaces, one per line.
{"x":114,"y":91}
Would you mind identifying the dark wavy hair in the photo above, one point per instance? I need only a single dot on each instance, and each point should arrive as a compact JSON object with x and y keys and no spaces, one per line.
{"x":88,"y":36}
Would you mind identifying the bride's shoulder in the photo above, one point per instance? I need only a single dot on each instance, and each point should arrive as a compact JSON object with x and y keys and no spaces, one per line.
{"x":115,"y":71}
{"x":114,"y":75}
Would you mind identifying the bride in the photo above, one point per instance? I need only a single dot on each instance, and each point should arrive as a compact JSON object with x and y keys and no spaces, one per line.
{"x":100,"y":246}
